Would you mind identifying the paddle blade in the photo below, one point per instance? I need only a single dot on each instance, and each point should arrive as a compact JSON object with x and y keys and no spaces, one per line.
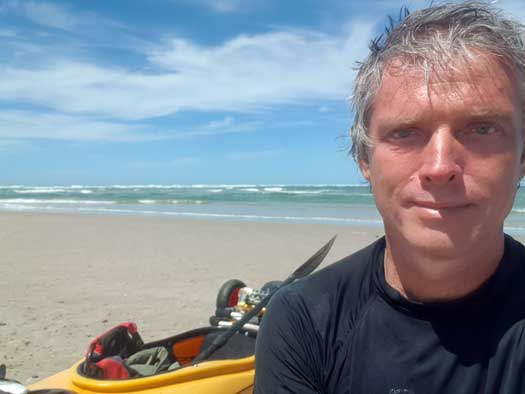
{"x":313,"y":262}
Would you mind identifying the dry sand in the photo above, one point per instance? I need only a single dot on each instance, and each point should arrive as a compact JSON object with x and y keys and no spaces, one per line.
{"x":66,"y":278}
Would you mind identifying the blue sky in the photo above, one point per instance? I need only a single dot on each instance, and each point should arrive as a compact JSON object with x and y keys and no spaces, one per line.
{"x":182,"y":91}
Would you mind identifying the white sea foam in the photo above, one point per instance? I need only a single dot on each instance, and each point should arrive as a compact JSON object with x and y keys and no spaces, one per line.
{"x":217,"y":186}
{"x":147,"y":201}
{"x":42,"y":190}
{"x":17,"y":207}
{"x":85,"y":191}
{"x":152,"y":186}
{"x":215,"y":190}
{"x":52,"y":201}
{"x":188,"y":202}
{"x":518,"y":210}
{"x":305,"y":191}
{"x":175,"y":186}
{"x":282,"y":190}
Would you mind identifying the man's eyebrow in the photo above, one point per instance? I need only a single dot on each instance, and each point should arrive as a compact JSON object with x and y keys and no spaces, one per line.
{"x":505,"y":118}
{"x":479,"y":115}
{"x":490,"y":114}
{"x":397,"y":123}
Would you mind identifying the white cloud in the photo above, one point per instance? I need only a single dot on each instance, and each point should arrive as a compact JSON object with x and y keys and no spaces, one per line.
{"x":217,"y":124}
{"x":18,"y":124}
{"x":43,"y":13}
{"x":49,"y":15}
{"x":219,"y":127}
{"x":57,"y":16}
{"x":244,"y":74}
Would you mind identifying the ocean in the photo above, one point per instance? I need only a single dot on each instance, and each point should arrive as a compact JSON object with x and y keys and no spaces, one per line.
{"x":336,"y":204}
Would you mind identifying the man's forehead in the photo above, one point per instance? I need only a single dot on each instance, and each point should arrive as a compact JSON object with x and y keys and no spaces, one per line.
{"x":467,"y":67}
{"x":477,"y":80}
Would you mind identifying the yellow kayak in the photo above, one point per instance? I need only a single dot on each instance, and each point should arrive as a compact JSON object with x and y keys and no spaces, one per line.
{"x":227,"y":376}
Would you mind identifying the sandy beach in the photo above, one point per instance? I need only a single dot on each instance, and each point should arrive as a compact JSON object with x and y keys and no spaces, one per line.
{"x":65,"y":278}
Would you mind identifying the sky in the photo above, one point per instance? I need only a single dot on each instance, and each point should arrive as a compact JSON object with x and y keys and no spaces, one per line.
{"x":105,"y":92}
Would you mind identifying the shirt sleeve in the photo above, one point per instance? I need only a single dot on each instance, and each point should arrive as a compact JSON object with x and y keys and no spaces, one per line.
{"x":287,"y":357}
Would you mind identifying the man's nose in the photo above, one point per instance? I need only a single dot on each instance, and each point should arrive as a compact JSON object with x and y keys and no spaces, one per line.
{"x":440,"y":159}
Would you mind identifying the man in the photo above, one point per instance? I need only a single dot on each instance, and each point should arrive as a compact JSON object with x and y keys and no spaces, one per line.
{"x":438,"y":304}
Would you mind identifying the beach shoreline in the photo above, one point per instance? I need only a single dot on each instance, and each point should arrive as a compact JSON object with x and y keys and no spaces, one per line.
{"x":65,"y":278}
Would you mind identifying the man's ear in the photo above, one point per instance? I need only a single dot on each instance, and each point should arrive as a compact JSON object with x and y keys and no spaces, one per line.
{"x":364,"y":167}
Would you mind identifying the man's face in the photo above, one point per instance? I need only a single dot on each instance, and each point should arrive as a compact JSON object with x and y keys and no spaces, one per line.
{"x":446,"y":154}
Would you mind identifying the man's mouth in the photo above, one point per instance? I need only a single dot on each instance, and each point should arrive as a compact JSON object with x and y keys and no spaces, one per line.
{"x":441,"y":205}
{"x":440,"y":208}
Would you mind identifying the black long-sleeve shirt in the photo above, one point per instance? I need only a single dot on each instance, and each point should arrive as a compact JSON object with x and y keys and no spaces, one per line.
{"x":345,"y":330}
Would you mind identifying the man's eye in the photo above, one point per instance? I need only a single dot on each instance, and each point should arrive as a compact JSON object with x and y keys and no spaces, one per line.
{"x":400,"y":134}
{"x":484,"y":129}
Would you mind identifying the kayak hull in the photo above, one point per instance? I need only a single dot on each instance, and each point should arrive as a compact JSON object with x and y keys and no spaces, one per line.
{"x":219,"y":377}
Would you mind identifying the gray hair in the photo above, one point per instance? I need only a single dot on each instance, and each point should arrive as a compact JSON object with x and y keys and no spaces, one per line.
{"x":430,"y":38}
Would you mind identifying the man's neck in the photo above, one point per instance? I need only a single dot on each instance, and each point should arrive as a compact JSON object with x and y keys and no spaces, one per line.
{"x":421,"y":276}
